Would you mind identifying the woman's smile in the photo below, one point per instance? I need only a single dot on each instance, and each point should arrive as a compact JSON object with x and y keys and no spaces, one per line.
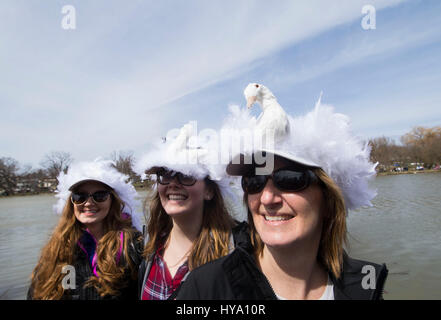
{"x":89,"y":212}
{"x":277,"y":218}
{"x":177,"y":196}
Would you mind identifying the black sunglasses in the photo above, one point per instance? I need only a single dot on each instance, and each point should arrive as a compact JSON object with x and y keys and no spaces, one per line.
{"x":284,"y":179}
{"x":81,"y":197}
{"x":164,"y":177}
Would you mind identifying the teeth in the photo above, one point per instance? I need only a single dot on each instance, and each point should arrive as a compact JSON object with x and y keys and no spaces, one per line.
{"x":176,"y":197}
{"x":277,"y":218}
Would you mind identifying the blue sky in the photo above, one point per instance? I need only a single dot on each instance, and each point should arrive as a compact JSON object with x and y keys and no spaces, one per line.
{"x":132,"y":70}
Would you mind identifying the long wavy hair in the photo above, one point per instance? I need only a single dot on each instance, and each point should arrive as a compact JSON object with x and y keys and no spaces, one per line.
{"x":213,"y":239}
{"x":62,"y":248}
{"x":334,"y":231}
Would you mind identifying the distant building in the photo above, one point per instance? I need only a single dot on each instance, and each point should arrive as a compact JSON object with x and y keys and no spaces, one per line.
{"x":48,"y":184}
{"x":34,"y":185}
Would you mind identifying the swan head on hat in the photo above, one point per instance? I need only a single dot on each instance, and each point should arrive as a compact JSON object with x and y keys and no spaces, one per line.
{"x":273,"y":117}
{"x":256,"y":92}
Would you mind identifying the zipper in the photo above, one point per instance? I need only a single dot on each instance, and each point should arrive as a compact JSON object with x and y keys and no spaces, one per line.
{"x":260,"y":274}
{"x":271,"y":287}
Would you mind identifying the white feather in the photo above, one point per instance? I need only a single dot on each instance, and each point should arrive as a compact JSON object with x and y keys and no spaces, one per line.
{"x":320,"y":138}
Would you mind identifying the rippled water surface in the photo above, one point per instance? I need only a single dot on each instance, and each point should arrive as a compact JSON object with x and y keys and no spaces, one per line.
{"x":402,"y":229}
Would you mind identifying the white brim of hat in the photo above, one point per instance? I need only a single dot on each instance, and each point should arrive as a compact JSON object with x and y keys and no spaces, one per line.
{"x":237,"y":167}
{"x":76,"y":184}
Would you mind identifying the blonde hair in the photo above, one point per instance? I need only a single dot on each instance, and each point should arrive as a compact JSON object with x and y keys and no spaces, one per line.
{"x":333,"y":236}
{"x":62,"y":247}
{"x":214,"y":236}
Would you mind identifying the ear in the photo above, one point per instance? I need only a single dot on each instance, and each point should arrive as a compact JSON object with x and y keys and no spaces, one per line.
{"x":208,"y":195}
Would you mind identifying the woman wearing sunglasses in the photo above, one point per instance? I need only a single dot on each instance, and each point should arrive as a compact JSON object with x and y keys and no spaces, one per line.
{"x":188,"y":216}
{"x":297,"y":220}
{"x":95,"y":250}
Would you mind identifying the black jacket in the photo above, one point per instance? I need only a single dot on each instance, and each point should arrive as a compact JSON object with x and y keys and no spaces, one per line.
{"x":83,"y":272}
{"x":237,"y":277}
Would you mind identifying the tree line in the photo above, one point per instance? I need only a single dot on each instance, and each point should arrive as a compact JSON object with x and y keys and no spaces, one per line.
{"x":15,"y":178}
{"x":421,"y":147}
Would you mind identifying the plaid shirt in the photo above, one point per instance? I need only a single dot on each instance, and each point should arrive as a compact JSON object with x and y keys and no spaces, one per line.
{"x":159,"y":284}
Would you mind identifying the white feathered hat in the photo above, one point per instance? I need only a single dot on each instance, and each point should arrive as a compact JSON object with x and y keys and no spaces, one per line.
{"x":185,"y":153}
{"x":322,"y":138}
{"x":104,"y":172}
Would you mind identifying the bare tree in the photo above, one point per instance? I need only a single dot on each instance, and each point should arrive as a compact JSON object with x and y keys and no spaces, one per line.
{"x":424,"y":145}
{"x":8,"y":174}
{"x":55,"y":162}
{"x":124,"y":161}
{"x":381,"y":150}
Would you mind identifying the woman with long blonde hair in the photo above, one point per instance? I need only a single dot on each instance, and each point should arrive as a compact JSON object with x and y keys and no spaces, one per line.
{"x":189,"y":223}
{"x":94,"y":251}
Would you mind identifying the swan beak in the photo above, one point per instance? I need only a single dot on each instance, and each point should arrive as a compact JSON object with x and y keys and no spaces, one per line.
{"x":251,"y":101}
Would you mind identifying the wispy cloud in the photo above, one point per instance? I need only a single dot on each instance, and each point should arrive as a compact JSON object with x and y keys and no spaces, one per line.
{"x":392,"y":36}
{"x":117,"y":74}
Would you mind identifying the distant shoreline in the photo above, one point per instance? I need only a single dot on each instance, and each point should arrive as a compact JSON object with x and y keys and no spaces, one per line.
{"x":138,"y":188}
{"x":392,"y":173}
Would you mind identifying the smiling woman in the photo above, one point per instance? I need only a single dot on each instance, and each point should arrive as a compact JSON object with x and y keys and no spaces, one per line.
{"x":92,"y":205}
{"x":189,"y":223}
{"x":95,"y":239}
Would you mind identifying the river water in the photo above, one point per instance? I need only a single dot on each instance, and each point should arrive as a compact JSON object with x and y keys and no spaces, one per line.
{"x":402,"y":229}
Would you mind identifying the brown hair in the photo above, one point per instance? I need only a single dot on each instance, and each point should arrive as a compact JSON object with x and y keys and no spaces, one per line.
{"x":214,"y":236}
{"x":330,"y":253}
{"x":62,"y":247}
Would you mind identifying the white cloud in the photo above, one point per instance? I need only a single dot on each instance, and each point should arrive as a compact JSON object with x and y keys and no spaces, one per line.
{"x":113,"y":75}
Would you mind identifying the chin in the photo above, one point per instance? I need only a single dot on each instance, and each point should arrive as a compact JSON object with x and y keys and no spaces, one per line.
{"x":89,"y":221}
{"x":277,"y":243}
{"x":175,"y":211}
{"x":278,"y":239}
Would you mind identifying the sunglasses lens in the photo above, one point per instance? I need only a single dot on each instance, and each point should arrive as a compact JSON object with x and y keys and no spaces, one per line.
{"x":285,"y":179}
{"x":78,"y":198}
{"x":165,"y":177}
{"x":100,"y":196}
{"x":253,"y":184}
{"x":186,"y":180}
{"x":291,"y":180}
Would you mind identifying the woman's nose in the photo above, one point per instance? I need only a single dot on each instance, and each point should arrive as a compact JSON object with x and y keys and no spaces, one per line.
{"x":270,"y":194}
{"x":89,"y":201}
{"x":174,"y":182}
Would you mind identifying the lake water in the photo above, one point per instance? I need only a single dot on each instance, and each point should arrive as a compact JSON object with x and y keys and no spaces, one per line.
{"x":402,"y":229}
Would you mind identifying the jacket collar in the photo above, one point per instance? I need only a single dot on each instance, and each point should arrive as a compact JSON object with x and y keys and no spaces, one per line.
{"x":359,"y":280}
